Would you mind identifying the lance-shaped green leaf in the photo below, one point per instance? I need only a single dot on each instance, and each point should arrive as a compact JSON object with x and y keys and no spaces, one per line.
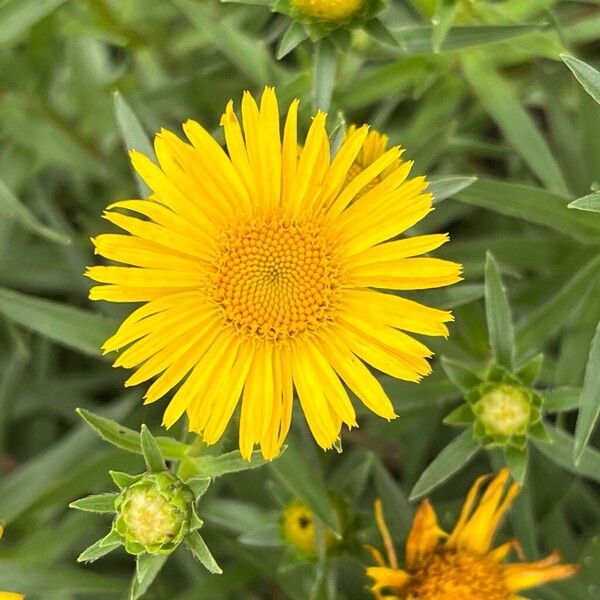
{"x":155,"y":463}
{"x":12,"y":208}
{"x":535,"y":205}
{"x":445,"y":11}
{"x":123,"y":480}
{"x":377,"y":29}
{"x":128,"y":439}
{"x":78,"y":329}
{"x":446,"y":187}
{"x":147,"y":567}
{"x":198,"y":485}
{"x":561,"y":399}
{"x":529,"y":371}
{"x":589,"y":203}
{"x":98,"y":503}
{"x":517,"y":460}
{"x":461,"y":415}
{"x":134,"y":136}
{"x":499,"y":320}
{"x":324,"y":70}
{"x":448,"y":462}
{"x":16,"y":16}
{"x":294,"y":35}
{"x":561,"y":449}
{"x":589,"y":408}
{"x":459,"y":375}
{"x":294,"y":472}
{"x":587,"y":76}
{"x":230,"y":462}
{"x":398,"y":512}
{"x":100,"y":548}
{"x":265,"y":536}
{"x":200,"y":550}
{"x":516,"y":124}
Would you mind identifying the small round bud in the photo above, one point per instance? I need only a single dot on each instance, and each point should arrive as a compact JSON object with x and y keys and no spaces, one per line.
{"x":153,"y":514}
{"x":505,"y":410}
{"x":328,"y":10}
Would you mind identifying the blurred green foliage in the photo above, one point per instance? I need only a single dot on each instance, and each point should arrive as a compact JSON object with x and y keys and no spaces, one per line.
{"x":475,"y":90}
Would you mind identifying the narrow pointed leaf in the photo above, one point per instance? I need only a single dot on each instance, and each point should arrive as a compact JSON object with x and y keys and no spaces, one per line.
{"x":200,"y":550}
{"x":499,"y":320}
{"x":589,"y":408}
{"x":587,"y":76}
{"x":148,"y":566}
{"x":561,"y":399}
{"x":589,"y":203}
{"x":96,"y":551}
{"x":517,"y":463}
{"x":459,"y":375}
{"x":461,"y":415}
{"x":134,"y":136}
{"x":17,"y":16}
{"x":81,"y":330}
{"x":324,"y":71}
{"x":230,"y":462}
{"x":198,"y":485}
{"x":152,"y":454}
{"x":98,"y":503}
{"x":448,"y":462}
{"x":123,"y":480}
{"x":446,"y":187}
{"x":295,"y":34}
{"x":529,"y":371}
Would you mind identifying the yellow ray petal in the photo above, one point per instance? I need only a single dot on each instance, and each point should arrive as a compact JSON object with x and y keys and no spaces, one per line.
{"x":122,"y":293}
{"x":289,"y":159}
{"x":136,"y":277}
{"x":237,"y":149}
{"x":522,"y":576}
{"x":270,"y":149}
{"x":287,"y":389}
{"x":11,"y":596}
{"x":385,"y":577}
{"x":424,"y":536}
{"x":501,"y":552}
{"x":385,"y":534}
{"x":356,"y":376}
{"x":397,"y":312}
{"x":398,"y":249}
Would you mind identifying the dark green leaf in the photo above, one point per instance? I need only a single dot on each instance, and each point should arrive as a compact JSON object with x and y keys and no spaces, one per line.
{"x":16,"y":16}
{"x":295,"y":34}
{"x":324,"y":71}
{"x":461,"y":376}
{"x":516,"y":460}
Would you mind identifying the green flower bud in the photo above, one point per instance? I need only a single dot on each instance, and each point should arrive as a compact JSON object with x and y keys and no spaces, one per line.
{"x":154,"y":514}
{"x":504,"y":410}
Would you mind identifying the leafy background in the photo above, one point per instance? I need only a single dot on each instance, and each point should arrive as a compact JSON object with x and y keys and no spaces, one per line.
{"x":480,"y":93}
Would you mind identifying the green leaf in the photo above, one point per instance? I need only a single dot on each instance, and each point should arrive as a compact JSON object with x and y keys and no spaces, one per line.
{"x":448,"y":462}
{"x":97,"y":550}
{"x":17,"y":16}
{"x":539,"y":326}
{"x":461,"y":415}
{"x":265,"y":536}
{"x":147,"y":567}
{"x":539,"y":431}
{"x":294,"y":35}
{"x":529,"y":372}
{"x":134,"y":136}
{"x":249,"y":55}
{"x":230,"y":462}
{"x":561,"y":399}
{"x":587,"y":76}
{"x":589,"y":409}
{"x":98,"y":503}
{"x":377,"y":29}
{"x":514,"y":121}
{"x":534,"y":205}
{"x":561,"y":452}
{"x":324,"y":71}
{"x":123,"y":480}
{"x":447,"y":187}
{"x":12,"y":208}
{"x":516,"y":460}
{"x":444,"y":15}
{"x":21,"y":489}
{"x":294,"y":472}
{"x":78,"y":329}
{"x":155,"y":463}
{"x":590,"y":203}
{"x":459,"y":375}
{"x":498,"y":315}
{"x":128,"y":439}
{"x":395,"y":503}
{"x":200,"y":550}
{"x":198,"y":485}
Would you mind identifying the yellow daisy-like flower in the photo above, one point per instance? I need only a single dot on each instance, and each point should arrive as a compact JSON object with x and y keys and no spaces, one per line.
{"x":257,"y":270}
{"x":460,"y":565}
{"x":9,"y":595}
{"x":298,"y":529}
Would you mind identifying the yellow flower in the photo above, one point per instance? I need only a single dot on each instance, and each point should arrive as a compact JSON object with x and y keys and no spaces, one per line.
{"x":328,"y":10}
{"x":257,"y":271}
{"x":9,"y":595}
{"x":460,"y":565}
{"x":298,"y":529}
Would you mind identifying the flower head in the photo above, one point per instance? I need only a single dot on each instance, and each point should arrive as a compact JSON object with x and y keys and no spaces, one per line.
{"x":298,"y":529}
{"x":462,"y":564}
{"x":9,"y":595}
{"x":257,"y":270}
{"x":154,"y":513}
{"x":328,"y":10}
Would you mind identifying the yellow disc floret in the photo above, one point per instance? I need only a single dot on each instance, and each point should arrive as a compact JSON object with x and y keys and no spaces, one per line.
{"x":328,"y":10}
{"x":505,"y":410}
{"x":276,"y":277}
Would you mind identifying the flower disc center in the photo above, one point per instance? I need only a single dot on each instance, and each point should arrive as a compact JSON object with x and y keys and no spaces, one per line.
{"x":450,"y":575}
{"x":276,"y":277}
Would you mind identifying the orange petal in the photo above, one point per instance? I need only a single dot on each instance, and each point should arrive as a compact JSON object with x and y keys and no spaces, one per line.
{"x":521,"y":576}
{"x":424,"y":535}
